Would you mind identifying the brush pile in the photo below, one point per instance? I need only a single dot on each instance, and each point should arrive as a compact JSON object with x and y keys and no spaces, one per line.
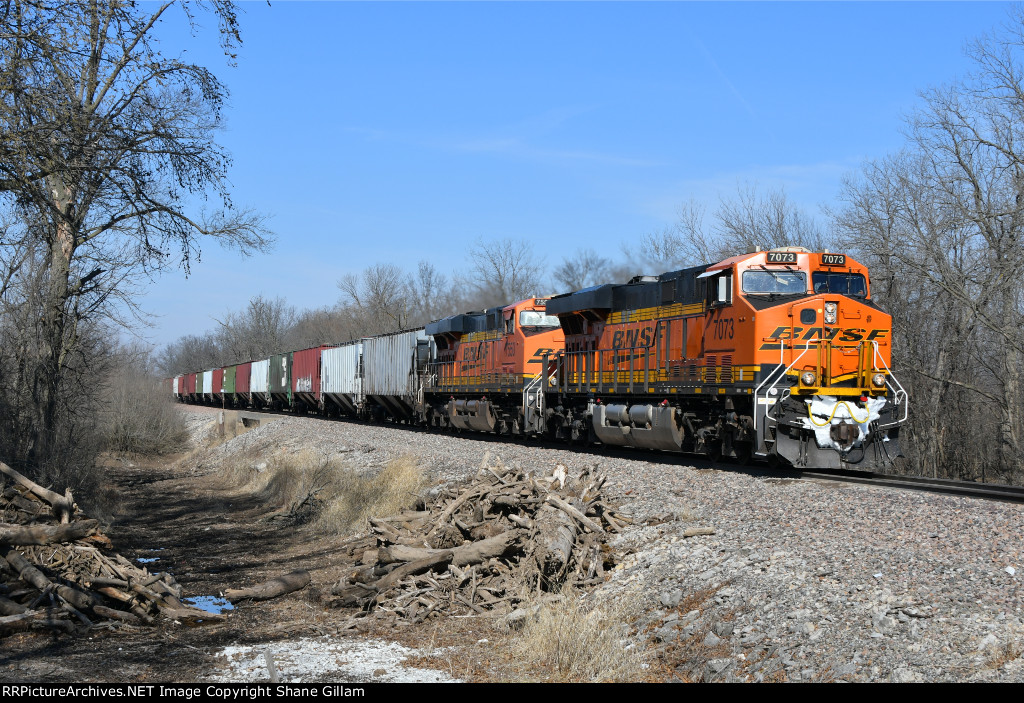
{"x":485,"y":546}
{"x":57,"y":571}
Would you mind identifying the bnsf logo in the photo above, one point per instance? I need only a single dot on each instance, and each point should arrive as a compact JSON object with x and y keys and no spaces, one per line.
{"x":834,"y":334}
{"x":639,"y":337}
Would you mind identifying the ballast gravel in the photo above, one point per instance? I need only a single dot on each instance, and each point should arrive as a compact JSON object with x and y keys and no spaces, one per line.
{"x":805,"y":580}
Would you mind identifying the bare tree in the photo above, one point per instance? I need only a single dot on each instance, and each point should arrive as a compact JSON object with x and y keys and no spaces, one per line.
{"x":106,"y":144}
{"x":504,"y":271}
{"x":749,"y":221}
{"x":431,"y":295}
{"x":191,"y":353}
{"x":942,"y":225}
{"x":585,"y":268}
{"x":378,"y":299}
{"x":744,"y":222}
{"x":258,"y":331}
{"x":327,"y":325}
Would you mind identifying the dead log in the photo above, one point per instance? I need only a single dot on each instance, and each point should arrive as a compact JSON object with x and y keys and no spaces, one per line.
{"x":112,"y":614}
{"x":191,"y":614}
{"x":698,"y":531}
{"x":464,"y":555}
{"x":352,"y":595}
{"x":43,"y":534}
{"x":63,"y":506}
{"x":9,"y":607}
{"x":575,"y":514}
{"x":51,"y":619}
{"x":555,"y":539}
{"x":479,"y":552}
{"x":415,"y":567}
{"x":271,"y":589}
{"x":31,"y":575}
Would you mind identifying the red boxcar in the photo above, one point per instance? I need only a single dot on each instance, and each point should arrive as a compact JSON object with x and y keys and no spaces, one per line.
{"x":218,"y":384}
{"x":243,"y":373}
{"x":187,"y":387}
{"x":306,"y":377}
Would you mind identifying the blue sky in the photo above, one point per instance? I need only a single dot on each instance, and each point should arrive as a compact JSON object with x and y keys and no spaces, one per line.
{"x":395,"y":132}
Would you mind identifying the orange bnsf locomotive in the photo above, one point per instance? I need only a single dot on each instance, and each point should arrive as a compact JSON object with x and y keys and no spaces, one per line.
{"x":489,"y":369}
{"x":778,"y":354}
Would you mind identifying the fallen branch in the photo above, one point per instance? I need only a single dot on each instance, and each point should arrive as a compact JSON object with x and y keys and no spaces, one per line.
{"x":271,"y":589}
{"x":42,"y":534}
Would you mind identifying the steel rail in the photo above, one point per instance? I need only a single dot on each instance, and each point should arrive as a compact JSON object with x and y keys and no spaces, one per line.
{"x":990,"y":491}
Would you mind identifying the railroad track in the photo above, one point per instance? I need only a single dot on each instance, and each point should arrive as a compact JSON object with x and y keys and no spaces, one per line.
{"x":1012,"y":494}
{"x":990,"y":491}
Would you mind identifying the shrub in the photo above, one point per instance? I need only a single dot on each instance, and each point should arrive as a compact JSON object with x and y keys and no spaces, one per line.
{"x":141,"y":418}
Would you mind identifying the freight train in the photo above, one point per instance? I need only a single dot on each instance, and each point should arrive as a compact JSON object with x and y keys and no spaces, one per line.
{"x":777,"y":355}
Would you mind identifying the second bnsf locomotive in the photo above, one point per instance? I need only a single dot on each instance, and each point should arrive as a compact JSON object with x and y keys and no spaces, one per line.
{"x":778,"y":354}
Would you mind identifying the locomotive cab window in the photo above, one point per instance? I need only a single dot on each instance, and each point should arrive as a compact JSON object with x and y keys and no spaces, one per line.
{"x":777,"y":282}
{"x":720,"y":290}
{"x":537,"y":318}
{"x":851,"y":284}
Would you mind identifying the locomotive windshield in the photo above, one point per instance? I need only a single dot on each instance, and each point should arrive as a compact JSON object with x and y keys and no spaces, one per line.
{"x":779,"y":282}
{"x":851,"y":284}
{"x":536,"y":318}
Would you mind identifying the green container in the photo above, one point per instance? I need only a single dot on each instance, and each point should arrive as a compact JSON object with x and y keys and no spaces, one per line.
{"x":229,"y":381}
{"x":281,"y":377}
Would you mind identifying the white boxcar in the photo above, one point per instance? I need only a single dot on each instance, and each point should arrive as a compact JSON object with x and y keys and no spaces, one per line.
{"x":175,"y":389}
{"x":259,"y":382}
{"x":208,"y":385}
{"x":390,"y":371}
{"x":340,"y":381}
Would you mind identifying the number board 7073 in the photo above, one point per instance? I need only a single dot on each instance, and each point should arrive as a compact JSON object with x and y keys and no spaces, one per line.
{"x":780,"y":257}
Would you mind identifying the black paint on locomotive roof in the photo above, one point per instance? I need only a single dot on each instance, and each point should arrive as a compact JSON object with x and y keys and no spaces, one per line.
{"x":680,"y":286}
{"x":458,"y":324}
{"x":593,"y":298}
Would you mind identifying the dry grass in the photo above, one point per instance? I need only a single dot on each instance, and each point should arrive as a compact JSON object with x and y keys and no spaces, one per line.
{"x":574,"y":642}
{"x":1009,"y":651}
{"x":355,"y":499}
{"x":308,"y":485}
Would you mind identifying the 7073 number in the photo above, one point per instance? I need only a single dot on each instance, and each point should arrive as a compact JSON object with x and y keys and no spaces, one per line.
{"x":724,"y":328}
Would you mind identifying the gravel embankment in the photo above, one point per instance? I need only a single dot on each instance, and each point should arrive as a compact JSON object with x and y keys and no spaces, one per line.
{"x":810,"y":580}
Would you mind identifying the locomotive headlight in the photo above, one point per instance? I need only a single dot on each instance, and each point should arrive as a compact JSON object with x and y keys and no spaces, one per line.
{"x":878,"y":380}
{"x":808,"y":378}
{"x":830,"y":313}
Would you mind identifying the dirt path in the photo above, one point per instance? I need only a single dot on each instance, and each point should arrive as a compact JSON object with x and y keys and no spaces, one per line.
{"x":211,"y":538}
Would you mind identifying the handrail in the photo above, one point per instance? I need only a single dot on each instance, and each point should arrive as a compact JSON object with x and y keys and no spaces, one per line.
{"x":900,"y":394}
{"x":770,"y":376}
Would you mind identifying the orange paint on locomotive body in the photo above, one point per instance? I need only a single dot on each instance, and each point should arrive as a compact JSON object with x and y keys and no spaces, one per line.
{"x":753,"y":314}
{"x":500,"y":359}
